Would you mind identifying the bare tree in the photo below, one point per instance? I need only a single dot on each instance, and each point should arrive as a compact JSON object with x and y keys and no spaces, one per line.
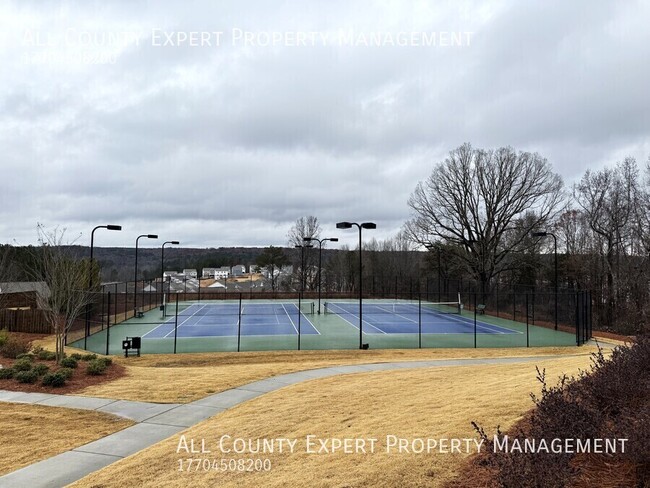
{"x":610,"y":199}
{"x":4,"y":271}
{"x":305,"y":266}
{"x":67,"y":280}
{"x":474,"y":198}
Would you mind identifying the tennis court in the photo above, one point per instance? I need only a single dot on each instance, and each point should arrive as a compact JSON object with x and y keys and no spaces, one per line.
{"x":412,"y":318}
{"x":286,"y":324}
{"x":229,"y":319}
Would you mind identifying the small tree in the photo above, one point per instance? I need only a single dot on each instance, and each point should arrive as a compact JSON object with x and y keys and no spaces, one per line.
{"x":271,"y":260}
{"x":305,"y":227}
{"x":67,"y":280}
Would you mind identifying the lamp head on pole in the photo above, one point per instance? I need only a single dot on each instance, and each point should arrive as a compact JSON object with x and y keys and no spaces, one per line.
{"x":368,"y":225}
{"x":540,"y":234}
{"x":114,"y":227}
{"x":344,"y":225}
{"x":307,"y":239}
{"x":175,"y":242}
{"x":333,"y":239}
{"x":152,"y":236}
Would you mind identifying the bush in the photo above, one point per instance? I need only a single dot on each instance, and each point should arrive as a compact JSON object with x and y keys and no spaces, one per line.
{"x":69,"y":362}
{"x":76,"y":356}
{"x":4,"y":335}
{"x":7,"y":373}
{"x":89,"y":357}
{"x":55,"y":380}
{"x":96,"y":367}
{"x":41,"y":369}
{"x":23,"y":364}
{"x":26,"y":376}
{"x":107,"y":361}
{"x":36,"y":350}
{"x":14,"y":346}
{"x":45,"y":355}
{"x":26,"y":355}
{"x":67,"y":372}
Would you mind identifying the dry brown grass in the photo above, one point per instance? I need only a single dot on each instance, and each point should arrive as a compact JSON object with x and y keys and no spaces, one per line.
{"x":31,"y":433}
{"x":425,"y":402}
{"x":181,"y":378}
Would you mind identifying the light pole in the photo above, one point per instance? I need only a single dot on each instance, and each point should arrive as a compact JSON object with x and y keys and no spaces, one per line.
{"x":90,"y":277}
{"x":135,"y":283}
{"x":320,"y":258}
{"x":162,"y":266}
{"x":302,"y":263}
{"x":364,"y":225}
{"x":544,"y":234}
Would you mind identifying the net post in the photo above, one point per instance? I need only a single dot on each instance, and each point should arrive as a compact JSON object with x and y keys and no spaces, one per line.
{"x":175,"y":326}
{"x":239,"y":326}
{"x":108,"y":323}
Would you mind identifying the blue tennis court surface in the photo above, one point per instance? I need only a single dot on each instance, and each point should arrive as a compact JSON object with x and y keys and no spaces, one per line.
{"x":210,"y":320}
{"x":407,"y":318}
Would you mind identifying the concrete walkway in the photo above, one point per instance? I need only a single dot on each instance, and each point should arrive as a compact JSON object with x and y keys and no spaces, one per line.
{"x":158,"y":421}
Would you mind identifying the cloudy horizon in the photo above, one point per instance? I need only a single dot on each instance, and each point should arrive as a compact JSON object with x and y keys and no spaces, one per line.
{"x":219,"y":125}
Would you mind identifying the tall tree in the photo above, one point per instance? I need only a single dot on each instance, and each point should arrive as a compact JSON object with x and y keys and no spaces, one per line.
{"x":609,"y":200}
{"x":271,"y":262}
{"x":304,"y":265}
{"x":474,"y":197}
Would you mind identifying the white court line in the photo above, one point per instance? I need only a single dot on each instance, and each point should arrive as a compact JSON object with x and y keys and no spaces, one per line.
{"x":188,"y":318}
{"x":290,"y":319}
{"x":353,"y":325}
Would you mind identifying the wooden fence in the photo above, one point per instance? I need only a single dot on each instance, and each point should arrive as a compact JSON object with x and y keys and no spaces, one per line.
{"x":30,"y":320}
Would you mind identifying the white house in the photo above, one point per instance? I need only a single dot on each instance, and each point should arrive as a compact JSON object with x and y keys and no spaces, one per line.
{"x":190,"y":273}
{"x":238,"y":270}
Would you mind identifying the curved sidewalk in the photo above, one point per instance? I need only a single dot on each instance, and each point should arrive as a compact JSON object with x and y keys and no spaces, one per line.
{"x":158,"y":421}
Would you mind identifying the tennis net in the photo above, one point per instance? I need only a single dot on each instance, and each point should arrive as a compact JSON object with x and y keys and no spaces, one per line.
{"x":280,"y":308}
{"x":397,"y":308}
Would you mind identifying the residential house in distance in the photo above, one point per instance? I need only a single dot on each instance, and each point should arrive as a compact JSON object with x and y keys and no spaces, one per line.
{"x":190,"y":273}
{"x":238,"y":270}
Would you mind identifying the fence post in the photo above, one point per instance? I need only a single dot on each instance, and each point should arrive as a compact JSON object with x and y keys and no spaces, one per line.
{"x":299,"y":314}
{"x":108,"y":324}
{"x":175,"y":326}
{"x":475,"y":321}
{"x":239,"y":326}
{"x":527,"y":331}
{"x":419,"y":321}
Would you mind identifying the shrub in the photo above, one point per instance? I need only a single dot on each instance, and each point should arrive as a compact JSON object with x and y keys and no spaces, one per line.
{"x":67,"y":372}
{"x":14,"y":346}
{"x":41,"y":369}
{"x":55,"y":380}
{"x":107,"y":361}
{"x":69,"y":362}
{"x":96,"y":367}
{"x":26,"y":376}
{"x":89,"y":357}
{"x":36,"y":350}
{"x":45,"y":355}
{"x":26,"y":355}
{"x":4,"y":335}
{"x":23,"y":364}
{"x":76,"y":356}
{"x":6,"y":373}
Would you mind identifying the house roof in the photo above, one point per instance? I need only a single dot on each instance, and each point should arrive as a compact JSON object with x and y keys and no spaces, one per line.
{"x":39,"y":287}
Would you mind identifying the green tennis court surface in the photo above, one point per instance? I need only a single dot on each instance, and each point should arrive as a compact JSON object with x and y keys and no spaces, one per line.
{"x":280,"y":325}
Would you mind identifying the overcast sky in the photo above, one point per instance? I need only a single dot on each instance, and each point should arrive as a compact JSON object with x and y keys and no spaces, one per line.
{"x":219,"y":123}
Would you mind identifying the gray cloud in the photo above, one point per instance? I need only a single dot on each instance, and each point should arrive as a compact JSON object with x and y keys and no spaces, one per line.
{"x":228,"y":145}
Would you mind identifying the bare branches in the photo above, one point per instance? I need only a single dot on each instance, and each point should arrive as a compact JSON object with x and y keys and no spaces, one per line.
{"x":475,"y":198}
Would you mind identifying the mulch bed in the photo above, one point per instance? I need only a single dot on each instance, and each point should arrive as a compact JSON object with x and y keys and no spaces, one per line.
{"x":76,"y":383}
